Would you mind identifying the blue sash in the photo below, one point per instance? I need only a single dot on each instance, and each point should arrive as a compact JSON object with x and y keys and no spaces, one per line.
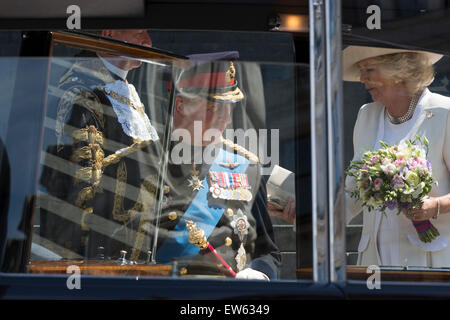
{"x":177,"y":245}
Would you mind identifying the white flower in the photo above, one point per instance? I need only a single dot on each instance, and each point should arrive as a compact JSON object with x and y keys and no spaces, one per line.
{"x":389,"y":169}
{"x":373,"y":202}
{"x":419,"y":190}
{"x":403,"y":151}
{"x":418,"y":152}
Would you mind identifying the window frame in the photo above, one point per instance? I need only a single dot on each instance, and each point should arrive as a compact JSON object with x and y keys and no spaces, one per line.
{"x":325,"y":284}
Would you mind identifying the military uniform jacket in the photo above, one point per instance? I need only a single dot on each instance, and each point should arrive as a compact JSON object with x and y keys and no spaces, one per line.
{"x":96,"y":169}
{"x":217,"y":216}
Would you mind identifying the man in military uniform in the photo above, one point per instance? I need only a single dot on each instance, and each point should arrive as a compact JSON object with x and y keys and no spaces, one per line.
{"x":93,"y":172}
{"x":214,"y":219}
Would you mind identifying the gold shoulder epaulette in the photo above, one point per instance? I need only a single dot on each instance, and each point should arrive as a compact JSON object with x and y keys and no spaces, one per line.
{"x":241,"y":150}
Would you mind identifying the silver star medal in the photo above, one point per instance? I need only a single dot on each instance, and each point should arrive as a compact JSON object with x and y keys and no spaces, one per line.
{"x":240,"y":226}
{"x":194,"y":182}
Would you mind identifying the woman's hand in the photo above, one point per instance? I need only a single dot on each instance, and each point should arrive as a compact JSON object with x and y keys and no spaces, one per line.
{"x":426,"y":212}
{"x":288,"y":213}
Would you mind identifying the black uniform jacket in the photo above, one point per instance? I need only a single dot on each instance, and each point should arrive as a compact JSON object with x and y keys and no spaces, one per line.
{"x":92,"y":171}
{"x":100,"y":188}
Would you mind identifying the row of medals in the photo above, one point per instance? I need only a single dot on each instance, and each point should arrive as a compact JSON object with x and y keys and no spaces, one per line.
{"x":241,"y":192}
{"x":240,"y":220}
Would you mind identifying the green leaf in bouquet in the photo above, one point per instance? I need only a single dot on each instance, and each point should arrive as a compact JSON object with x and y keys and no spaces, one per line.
{"x":384,"y":144}
{"x":409,"y":143}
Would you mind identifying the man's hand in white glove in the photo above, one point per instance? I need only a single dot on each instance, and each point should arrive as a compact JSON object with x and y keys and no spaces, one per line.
{"x":250,"y":273}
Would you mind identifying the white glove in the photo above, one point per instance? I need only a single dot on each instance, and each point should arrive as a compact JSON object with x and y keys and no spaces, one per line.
{"x":250,"y":273}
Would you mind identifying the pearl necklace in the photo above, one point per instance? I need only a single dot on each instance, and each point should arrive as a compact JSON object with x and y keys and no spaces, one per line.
{"x":408,"y":115}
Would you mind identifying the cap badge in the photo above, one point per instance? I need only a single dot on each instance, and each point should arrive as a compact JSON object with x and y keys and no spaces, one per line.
{"x":231,"y":73}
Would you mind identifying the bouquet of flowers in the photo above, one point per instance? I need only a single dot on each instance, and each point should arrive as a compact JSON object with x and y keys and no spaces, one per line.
{"x":395,"y":177}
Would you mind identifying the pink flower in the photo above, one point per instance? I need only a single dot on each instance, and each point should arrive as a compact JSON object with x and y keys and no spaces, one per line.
{"x":421,"y":164}
{"x":377,"y":184}
{"x":400,"y":162}
{"x":412,"y":164}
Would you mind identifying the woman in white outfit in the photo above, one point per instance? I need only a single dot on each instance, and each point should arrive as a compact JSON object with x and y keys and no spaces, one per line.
{"x":403,"y":107}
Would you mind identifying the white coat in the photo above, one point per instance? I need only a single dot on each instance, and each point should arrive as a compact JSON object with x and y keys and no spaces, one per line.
{"x":434,"y":123}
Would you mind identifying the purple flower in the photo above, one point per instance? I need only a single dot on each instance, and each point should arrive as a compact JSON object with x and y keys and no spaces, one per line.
{"x":429,"y":165}
{"x":397,"y":182}
{"x":391,"y":204}
{"x":405,"y":205}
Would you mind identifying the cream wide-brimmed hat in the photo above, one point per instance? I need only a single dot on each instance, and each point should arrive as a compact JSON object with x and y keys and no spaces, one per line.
{"x":354,"y":54}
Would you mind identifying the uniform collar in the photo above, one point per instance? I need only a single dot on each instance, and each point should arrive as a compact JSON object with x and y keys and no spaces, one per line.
{"x":113,"y":69}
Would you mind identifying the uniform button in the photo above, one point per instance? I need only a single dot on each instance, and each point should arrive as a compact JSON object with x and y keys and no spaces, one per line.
{"x":173,"y":215}
{"x":228,"y":241}
{"x":183,"y":271}
{"x":230,"y":212}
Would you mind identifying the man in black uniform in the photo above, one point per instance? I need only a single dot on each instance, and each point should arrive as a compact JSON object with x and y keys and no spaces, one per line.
{"x":215,"y":217}
{"x":93,"y":172}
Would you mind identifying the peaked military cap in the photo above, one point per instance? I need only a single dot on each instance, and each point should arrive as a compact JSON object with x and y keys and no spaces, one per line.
{"x":212,"y":76}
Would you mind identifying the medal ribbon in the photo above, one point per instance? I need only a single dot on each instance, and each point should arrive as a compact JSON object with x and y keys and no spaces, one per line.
{"x":177,"y":244}
{"x":229,"y":180}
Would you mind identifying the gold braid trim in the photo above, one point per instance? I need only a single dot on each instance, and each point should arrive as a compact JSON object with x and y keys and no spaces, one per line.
{"x":121,"y":178}
{"x":97,"y":164}
{"x":89,"y":135}
{"x":196,"y":236}
{"x":140,"y":236}
{"x":82,"y":153}
{"x":84,"y":195}
{"x":147,"y":200}
{"x":121,"y":153}
{"x":234,"y":95}
{"x":83,"y":216}
{"x":241,"y":150}
{"x":84,"y":174}
{"x":150,"y":184}
{"x":91,"y":175}
{"x":89,"y":100}
{"x":97,"y":153}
